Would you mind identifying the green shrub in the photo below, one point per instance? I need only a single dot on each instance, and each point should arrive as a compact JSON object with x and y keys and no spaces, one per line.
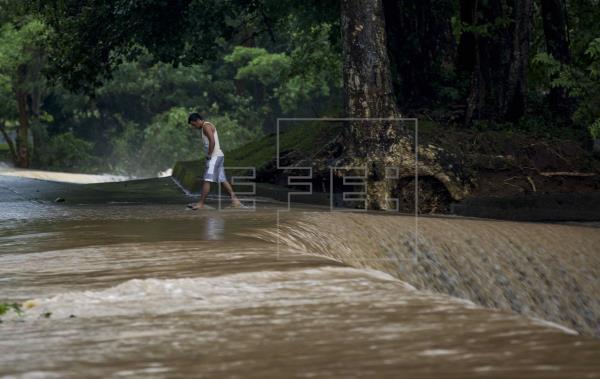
{"x":581,"y":81}
{"x":66,"y":151}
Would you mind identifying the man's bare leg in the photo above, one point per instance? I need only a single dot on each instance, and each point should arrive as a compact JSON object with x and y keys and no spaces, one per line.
{"x":205,"y":191}
{"x":235,"y":202}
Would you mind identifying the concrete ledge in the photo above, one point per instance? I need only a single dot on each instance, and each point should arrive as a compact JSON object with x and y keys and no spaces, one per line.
{"x":188,"y":174}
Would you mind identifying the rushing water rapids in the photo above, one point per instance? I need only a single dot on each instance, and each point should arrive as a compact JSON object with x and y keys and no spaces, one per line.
{"x":542,"y":270}
{"x":150,"y":290}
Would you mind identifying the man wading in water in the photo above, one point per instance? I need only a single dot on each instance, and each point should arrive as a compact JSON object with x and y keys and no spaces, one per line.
{"x":214,"y":172}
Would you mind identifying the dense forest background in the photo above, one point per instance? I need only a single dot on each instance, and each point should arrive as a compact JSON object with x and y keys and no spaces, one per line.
{"x":106,"y":86}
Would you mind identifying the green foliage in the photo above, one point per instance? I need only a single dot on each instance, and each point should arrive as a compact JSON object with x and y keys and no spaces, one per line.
{"x":18,"y":44}
{"x":140,"y":89}
{"x":96,"y":38}
{"x":593,"y":52}
{"x":488,"y":29}
{"x":584,"y":28}
{"x":231,"y":133}
{"x":22,"y":40}
{"x":124,"y":148}
{"x":168,"y":139}
{"x":65,"y":151}
{"x":316,"y":72}
{"x":121,"y":95}
{"x":259,"y":65}
{"x":129,"y":112}
{"x":242,"y":64}
{"x":549,"y":65}
{"x":146,"y":151}
{"x":305,"y":81}
{"x":581,"y":81}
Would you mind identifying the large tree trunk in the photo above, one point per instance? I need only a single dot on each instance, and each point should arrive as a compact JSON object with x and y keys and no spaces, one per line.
{"x":554,"y":18}
{"x":520,"y":32}
{"x":497,"y":60}
{"x":367,"y":78}
{"x":23,"y":129}
{"x":378,"y":145}
{"x":368,"y":91}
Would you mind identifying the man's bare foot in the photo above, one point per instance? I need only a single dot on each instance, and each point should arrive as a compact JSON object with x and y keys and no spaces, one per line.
{"x":236,"y":204}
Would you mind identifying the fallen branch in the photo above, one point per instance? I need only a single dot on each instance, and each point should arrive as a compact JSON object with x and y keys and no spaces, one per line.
{"x":506,"y":181}
{"x":565,"y":173}
{"x":532,"y":184}
{"x":551,"y":149}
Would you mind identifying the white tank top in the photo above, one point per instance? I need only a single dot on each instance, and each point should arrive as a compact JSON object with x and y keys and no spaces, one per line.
{"x":217,"y":152}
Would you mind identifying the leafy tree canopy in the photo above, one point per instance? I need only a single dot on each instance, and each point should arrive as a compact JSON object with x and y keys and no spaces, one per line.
{"x":92,"y":37}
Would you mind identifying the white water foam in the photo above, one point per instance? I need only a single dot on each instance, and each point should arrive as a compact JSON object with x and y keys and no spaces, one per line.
{"x":166,"y":173}
{"x":244,"y":290}
{"x":163,"y":296}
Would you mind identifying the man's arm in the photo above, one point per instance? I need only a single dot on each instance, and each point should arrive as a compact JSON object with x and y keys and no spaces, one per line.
{"x":208,"y":130}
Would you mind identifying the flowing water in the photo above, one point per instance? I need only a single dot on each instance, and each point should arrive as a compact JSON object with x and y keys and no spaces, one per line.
{"x":150,"y":290}
{"x":66,"y":177}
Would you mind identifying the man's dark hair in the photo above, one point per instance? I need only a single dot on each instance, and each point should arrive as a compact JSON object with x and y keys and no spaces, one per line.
{"x":195,"y":117}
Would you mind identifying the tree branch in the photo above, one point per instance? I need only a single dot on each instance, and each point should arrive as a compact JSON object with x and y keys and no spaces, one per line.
{"x":566,"y":173}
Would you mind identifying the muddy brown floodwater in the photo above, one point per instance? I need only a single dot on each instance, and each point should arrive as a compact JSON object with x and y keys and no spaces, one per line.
{"x":150,"y":290}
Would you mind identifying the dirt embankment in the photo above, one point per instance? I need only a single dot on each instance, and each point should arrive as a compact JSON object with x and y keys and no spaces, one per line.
{"x":520,"y":177}
{"x":506,"y":164}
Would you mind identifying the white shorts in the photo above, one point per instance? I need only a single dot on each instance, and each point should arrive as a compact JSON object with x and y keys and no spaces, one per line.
{"x":215,"y":172}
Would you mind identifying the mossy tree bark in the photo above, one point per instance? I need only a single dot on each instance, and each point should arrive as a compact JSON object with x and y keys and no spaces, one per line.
{"x":378,"y":145}
{"x":367,"y":77}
